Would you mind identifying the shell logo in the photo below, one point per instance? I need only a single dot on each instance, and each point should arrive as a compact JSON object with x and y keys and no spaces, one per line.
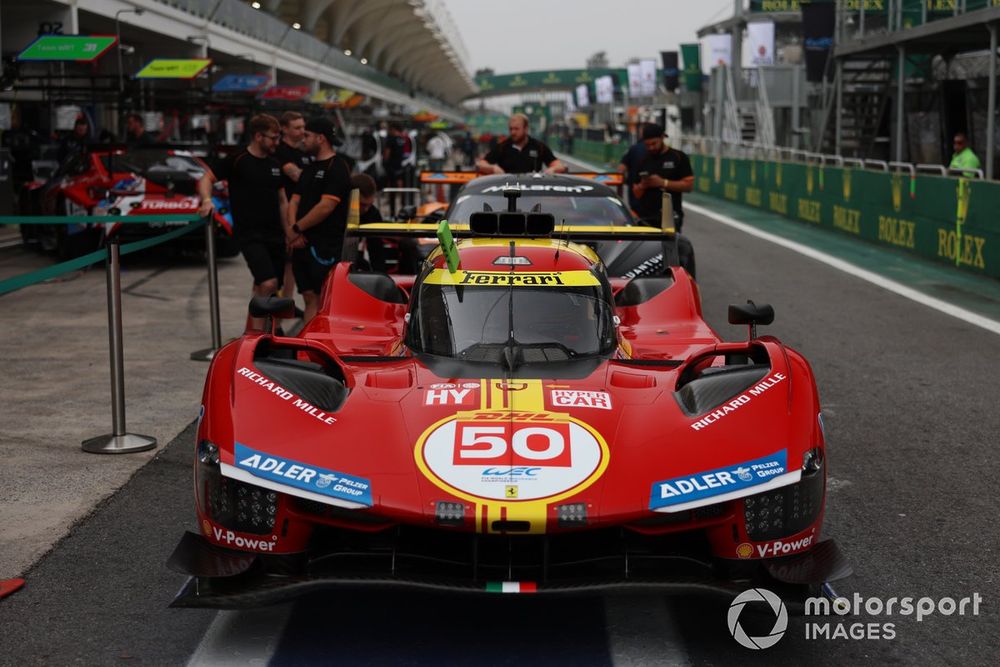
{"x":744,"y":550}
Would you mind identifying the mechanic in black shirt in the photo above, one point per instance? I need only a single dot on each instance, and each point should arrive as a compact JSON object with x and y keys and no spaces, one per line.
{"x":75,"y":142}
{"x":408,"y":254}
{"x":293,"y":160}
{"x":318,"y":212}
{"x":663,"y":168}
{"x":257,"y":202}
{"x":519,"y":154}
{"x":135,"y":132}
{"x":289,"y":154}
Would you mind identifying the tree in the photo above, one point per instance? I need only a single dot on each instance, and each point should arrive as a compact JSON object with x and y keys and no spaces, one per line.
{"x":486,"y":71}
{"x":598,"y":60}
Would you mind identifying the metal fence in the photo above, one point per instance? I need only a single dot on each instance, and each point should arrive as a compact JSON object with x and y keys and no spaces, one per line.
{"x":711,"y":146}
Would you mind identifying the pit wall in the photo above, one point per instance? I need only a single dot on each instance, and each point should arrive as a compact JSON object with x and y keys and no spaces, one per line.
{"x":945,"y":219}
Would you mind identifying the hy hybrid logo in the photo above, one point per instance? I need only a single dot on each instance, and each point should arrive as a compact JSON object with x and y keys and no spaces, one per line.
{"x":780,"y":622}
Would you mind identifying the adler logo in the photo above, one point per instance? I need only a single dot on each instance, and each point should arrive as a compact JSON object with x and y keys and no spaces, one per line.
{"x":710,"y":483}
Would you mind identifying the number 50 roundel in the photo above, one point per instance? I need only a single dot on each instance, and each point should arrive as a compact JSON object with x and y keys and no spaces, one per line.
{"x":479,"y":458}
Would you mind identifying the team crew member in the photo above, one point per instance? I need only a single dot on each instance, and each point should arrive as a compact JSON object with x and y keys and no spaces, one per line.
{"x":409,"y":255}
{"x":135,"y":132}
{"x":257,"y":201}
{"x":666,"y":169}
{"x":293,"y":160}
{"x":520,"y":153}
{"x":317,"y":214}
{"x":393,"y":156}
{"x":630,"y":166}
{"x":289,"y":154}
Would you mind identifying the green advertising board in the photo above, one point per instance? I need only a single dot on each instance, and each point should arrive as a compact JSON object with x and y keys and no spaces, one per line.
{"x":950,"y":220}
{"x":563,"y":79}
{"x":67,"y":47}
{"x":164,"y":68}
{"x":775,"y":5}
{"x":691,"y":59}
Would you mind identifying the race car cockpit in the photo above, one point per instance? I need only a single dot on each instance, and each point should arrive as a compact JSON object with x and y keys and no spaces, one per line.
{"x":480,"y":316}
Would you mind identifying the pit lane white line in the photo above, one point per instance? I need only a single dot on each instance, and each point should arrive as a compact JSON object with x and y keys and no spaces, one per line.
{"x":641,"y":631}
{"x":841,"y":265}
{"x":239,"y":638}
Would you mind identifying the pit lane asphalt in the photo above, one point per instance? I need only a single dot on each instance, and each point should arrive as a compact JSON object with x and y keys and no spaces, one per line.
{"x":909,"y":402}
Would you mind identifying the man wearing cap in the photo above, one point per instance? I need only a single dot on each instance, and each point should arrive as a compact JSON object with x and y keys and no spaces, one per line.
{"x":520,"y":153}
{"x":317,"y":214}
{"x":663,"y":169}
{"x":629,"y":167}
{"x":257,"y":201}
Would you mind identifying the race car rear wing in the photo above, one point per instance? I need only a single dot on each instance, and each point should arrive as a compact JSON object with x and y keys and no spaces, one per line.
{"x":509,"y":224}
{"x":517,"y":224}
{"x":447,"y":177}
{"x":610,"y":178}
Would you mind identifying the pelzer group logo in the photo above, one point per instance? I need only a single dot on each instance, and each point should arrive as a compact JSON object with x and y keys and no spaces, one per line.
{"x":780,"y":618}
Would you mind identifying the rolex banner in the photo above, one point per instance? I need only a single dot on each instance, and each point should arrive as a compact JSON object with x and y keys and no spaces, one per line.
{"x":691,"y":53}
{"x":817,"y":32}
{"x":671,"y":74}
{"x":949,"y":220}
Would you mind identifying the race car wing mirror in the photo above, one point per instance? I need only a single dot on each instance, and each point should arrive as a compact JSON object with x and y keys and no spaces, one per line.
{"x":751,"y":314}
{"x":271,"y":308}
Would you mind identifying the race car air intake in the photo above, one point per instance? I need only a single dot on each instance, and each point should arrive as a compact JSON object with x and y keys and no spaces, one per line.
{"x":307,"y":379}
{"x":717,"y":385}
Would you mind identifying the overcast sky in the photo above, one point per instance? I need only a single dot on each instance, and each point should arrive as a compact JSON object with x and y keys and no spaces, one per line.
{"x":524,"y":35}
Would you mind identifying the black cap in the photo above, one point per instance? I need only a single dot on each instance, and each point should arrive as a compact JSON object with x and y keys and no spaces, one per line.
{"x":652,"y":131}
{"x":323,"y":125}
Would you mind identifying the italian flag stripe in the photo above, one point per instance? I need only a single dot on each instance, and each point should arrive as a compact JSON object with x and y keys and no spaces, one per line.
{"x":511,"y":587}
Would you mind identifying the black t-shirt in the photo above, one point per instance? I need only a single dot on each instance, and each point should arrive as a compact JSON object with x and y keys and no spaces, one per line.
{"x":143,"y":140}
{"x":284,"y":155}
{"x":376,"y":249}
{"x":670,"y":164}
{"x":371,"y":215}
{"x":323,"y":179}
{"x":254,"y":194}
{"x":396,"y":144}
{"x":535,"y":156}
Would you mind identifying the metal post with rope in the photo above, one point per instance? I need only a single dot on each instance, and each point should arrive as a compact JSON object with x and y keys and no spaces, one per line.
{"x":119,"y":441}
{"x":213,"y":293}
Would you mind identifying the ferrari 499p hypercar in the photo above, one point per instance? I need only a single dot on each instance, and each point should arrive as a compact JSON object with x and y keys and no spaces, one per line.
{"x":509,"y":419}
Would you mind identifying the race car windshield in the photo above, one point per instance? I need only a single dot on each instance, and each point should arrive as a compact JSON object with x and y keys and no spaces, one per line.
{"x":537,"y":324}
{"x":574,"y":210}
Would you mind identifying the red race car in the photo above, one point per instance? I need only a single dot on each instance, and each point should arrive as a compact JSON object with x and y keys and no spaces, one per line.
{"x":147,"y":181}
{"x":510,"y":419}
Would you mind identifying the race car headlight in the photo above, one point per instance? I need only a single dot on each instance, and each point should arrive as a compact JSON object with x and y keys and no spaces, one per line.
{"x":208,"y":453}
{"x":573,"y":514}
{"x":449,"y":513}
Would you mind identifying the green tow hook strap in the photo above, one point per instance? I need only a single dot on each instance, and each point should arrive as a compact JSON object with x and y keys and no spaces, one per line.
{"x":448,"y":245}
